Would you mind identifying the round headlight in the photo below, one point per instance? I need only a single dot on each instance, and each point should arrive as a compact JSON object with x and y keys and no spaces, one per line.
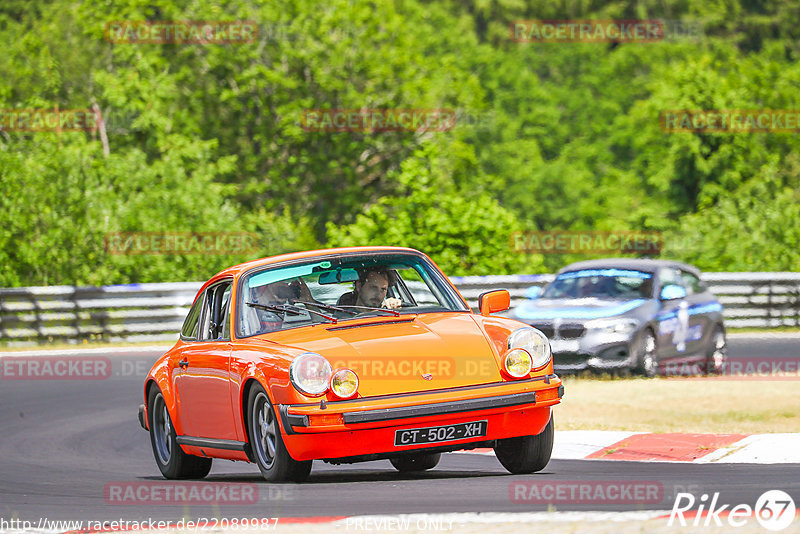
{"x":344,"y":383}
{"x":533,"y":342}
{"x":310,"y":373}
{"x":517,"y":362}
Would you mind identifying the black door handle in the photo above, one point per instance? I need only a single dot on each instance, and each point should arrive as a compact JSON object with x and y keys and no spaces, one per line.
{"x":184,"y":363}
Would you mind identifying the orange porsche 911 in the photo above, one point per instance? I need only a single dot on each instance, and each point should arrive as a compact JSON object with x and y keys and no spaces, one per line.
{"x":347,"y":355}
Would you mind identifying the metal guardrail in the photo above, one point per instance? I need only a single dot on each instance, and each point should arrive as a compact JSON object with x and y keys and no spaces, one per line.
{"x":155,"y":312}
{"x":131,"y":312}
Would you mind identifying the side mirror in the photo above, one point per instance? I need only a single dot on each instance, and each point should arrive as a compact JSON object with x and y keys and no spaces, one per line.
{"x":672,"y":292}
{"x":494,"y":301}
{"x":533,"y":292}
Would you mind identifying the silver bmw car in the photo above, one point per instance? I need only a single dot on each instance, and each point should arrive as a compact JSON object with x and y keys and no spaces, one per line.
{"x":628,"y":314}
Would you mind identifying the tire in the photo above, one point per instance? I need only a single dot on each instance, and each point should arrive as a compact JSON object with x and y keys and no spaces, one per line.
{"x":416,"y":462}
{"x":170,"y":458}
{"x":717,"y":355}
{"x":647,"y":355}
{"x":266,"y":442}
{"x":527,"y":454}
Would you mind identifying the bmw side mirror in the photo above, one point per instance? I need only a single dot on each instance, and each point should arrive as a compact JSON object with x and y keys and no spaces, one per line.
{"x":533,"y":292}
{"x":672,"y":292}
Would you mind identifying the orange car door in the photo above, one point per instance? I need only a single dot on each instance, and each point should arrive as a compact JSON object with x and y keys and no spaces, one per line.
{"x":204,"y":385}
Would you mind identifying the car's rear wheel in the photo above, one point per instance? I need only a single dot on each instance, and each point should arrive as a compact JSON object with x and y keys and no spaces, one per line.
{"x":269,"y":451}
{"x":526,"y":454}
{"x":646,"y":355}
{"x":415,"y":462}
{"x":170,"y":458}
{"x":717,"y":354}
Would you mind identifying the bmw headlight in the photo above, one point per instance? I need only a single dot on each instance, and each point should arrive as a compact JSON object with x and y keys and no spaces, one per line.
{"x":310,"y":373}
{"x":613,"y":326}
{"x":533,"y":342}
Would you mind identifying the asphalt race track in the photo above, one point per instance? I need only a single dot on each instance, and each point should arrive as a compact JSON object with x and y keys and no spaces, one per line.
{"x":65,"y":441}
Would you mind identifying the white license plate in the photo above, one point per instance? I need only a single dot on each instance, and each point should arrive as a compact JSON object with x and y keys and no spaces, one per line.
{"x":436,"y":434}
{"x":564,"y":345}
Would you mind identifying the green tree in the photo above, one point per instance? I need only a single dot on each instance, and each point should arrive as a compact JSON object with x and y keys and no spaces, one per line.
{"x":463,"y":231}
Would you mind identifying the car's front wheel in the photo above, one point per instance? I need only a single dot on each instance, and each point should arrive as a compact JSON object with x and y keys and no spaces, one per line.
{"x":170,"y":458}
{"x":267,"y":445}
{"x":415,"y":462}
{"x":526,"y":454}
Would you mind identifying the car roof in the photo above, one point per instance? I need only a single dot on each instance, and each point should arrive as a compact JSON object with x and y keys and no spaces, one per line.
{"x":639,"y":264}
{"x":242,"y":267}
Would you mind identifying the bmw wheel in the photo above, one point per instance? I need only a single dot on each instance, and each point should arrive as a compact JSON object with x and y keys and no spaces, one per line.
{"x":526,"y":454}
{"x":415,"y":462}
{"x":717,"y":354}
{"x":266,"y":442}
{"x":647,"y":358}
{"x":170,"y":458}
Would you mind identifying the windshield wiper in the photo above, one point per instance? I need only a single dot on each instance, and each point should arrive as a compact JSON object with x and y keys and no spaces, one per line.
{"x":291,"y":310}
{"x":370,"y":308}
{"x":325,"y":306}
{"x":343,"y":308}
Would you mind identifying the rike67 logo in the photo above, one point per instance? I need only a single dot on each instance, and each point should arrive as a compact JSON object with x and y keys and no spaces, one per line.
{"x":774,"y":510}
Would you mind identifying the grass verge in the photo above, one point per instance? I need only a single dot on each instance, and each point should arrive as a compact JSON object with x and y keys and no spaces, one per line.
{"x":702,"y":405}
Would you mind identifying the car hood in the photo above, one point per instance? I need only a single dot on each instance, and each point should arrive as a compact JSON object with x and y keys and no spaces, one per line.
{"x":586,"y":308}
{"x":403,"y":354}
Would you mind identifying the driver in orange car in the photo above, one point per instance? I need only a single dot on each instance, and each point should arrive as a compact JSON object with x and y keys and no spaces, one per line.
{"x":370,"y":290}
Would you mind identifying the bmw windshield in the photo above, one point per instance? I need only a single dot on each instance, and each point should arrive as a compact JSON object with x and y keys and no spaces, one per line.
{"x":617,"y":284}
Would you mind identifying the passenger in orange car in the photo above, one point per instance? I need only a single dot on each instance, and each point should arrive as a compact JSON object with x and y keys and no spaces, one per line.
{"x":370,"y":290}
{"x":268,"y":295}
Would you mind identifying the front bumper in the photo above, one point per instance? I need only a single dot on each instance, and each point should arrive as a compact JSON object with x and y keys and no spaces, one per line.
{"x":598,"y":352}
{"x":365,"y":428}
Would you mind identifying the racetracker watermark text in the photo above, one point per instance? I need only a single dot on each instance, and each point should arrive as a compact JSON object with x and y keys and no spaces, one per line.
{"x":587,"y":31}
{"x":731,"y":121}
{"x":603,"y":31}
{"x":181,"y":32}
{"x":48,"y":120}
{"x":377,"y":120}
{"x":412,"y":367}
{"x":164,"y":493}
{"x":739,"y":369}
{"x":135,"y":243}
{"x":586,"y":242}
{"x":55,"y":368}
{"x":587,"y":492}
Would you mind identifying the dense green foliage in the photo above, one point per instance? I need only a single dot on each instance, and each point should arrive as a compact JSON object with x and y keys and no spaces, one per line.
{"x":205,"y":138}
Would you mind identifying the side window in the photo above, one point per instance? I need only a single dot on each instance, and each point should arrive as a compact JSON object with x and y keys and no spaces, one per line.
{"x":205,"y":315}
{"x":692,"y":283}
{"x":189,"y":330}
{"x":225,"y":314}
{"x":215,"y":315}
{"x":669,"y":275}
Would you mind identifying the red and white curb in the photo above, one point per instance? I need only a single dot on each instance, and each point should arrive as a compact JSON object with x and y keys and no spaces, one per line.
{"x":673,"y":447}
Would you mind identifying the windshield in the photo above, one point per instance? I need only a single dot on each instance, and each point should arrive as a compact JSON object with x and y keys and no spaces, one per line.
{"x":601,"y":283}
{"x":341,"y":289}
